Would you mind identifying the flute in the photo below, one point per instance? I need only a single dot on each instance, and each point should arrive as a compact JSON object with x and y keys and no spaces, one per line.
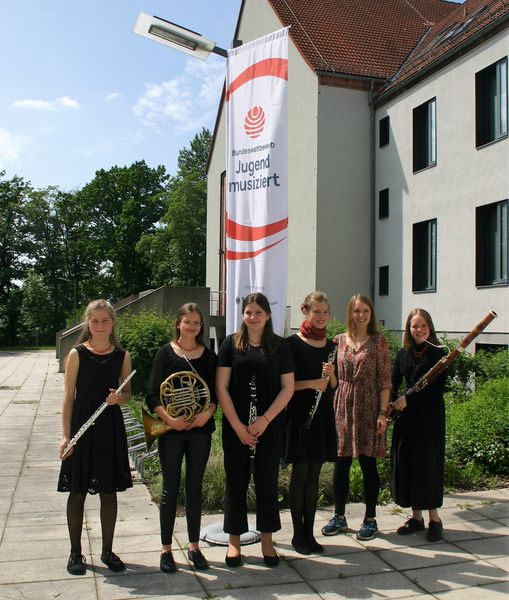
{"x":318,"y":396}
{"x":94,"y":417}
{"x":253,"y":415}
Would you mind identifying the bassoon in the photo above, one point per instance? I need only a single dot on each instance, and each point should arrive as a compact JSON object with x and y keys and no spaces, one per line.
{"x":445,"y":361}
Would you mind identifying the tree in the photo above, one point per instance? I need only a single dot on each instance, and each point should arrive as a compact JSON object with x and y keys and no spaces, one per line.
{"x":36,"y":322}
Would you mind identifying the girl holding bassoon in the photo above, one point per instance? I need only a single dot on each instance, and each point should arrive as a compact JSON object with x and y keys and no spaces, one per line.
{"x":189,"y":438}
{"x":253,"y":351}
{"x":310,"y":435}
{"x":98,"y":463}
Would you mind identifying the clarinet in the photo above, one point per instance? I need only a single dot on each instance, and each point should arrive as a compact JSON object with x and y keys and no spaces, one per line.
{"x":94,"y":417}
{"x":253,"y":415}
{"x":445,"y":361}
{"x":318,"y":396}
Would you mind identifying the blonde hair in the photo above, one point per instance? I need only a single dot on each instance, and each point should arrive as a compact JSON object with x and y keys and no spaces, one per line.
{"x":99,"y":304}
{"x":314,"y":298}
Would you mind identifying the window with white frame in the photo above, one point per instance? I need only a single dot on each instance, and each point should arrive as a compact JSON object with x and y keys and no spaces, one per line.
{"x":424,"y":256}
{"x":424,"y":129}
{"x":491,"y":244}
{"x":491,"y":103}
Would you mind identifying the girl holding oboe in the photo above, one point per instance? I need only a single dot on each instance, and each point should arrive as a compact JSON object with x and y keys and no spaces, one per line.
{"x":310,"y":433}
{"x":255,"y":367}
{"x":418,"y":439}
{"x":99,"y":463}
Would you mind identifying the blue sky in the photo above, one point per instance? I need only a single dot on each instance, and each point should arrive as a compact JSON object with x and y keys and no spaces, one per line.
{"x":81,"y":92}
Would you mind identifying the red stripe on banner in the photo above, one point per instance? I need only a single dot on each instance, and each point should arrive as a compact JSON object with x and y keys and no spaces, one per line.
{"x":233,"y":255}
{"x":269,"y":67}
{"x":236,"y":231}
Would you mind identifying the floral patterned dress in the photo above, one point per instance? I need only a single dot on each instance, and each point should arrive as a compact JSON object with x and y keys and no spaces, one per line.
{"x":362,"y":375}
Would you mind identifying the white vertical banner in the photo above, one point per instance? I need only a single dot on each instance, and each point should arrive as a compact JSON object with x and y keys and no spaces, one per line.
{"x":257,"y":176}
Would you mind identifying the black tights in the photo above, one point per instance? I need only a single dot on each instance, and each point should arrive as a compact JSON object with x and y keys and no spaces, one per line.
{"x":303,"y":498}
{"x":371,"y":481}
{"x":75,"y":509}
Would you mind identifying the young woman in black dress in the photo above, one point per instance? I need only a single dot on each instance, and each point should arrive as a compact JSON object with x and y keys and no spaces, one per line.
{"x":307,"y":448}
{"x":418,"y":440}
{"x":253,"y":351}
{"x":99,"y":463}
{"x":190,"y":439}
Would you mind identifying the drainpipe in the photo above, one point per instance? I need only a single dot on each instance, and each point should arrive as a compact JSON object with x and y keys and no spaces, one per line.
{"x":372,"y":237}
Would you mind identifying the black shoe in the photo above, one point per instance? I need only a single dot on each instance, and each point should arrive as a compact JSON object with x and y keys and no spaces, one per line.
{"x":271,"y":561}
{"x":76,"y":564}
{"x":112,"y":561}
{"x":435,"y":529}
{"x":198,"y":560}
{"x":300,"y":546}
{"x":233,"y":561}
{"x":411,"y":526}
{"x":167,"y":562}
{"x":314,"y":546}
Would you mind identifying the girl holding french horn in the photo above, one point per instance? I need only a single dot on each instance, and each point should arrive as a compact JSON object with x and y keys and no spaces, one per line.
{"x":184,"y":366}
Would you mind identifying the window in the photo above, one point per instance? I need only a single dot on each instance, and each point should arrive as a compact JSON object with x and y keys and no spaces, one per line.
{"x":383,"y":132}
{"x":491,"y":103}
{"x":383,"y":204}
{"x":424,"y":136}
{"x":383,"y":281}
{"x":424,"y":256}
{"x":491,"y":244}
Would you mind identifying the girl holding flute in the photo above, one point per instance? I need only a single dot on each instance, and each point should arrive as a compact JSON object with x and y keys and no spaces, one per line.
{"x":99,"y":463}
{"x":253,"y":351}
{"x":310,"y":433}
{"x":418,"y":439}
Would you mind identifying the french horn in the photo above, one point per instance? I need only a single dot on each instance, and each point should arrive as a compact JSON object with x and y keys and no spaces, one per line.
{"x":182,"y":394}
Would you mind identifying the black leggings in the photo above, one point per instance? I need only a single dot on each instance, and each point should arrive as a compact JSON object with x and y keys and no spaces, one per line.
{"x":75,"y":510}
{"x":371,"y":480}
{"x":172,"y":449}
{"x":304,"y":497}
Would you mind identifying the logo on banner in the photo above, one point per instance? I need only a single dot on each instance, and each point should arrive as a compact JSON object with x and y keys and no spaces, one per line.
{"x":254,"y":122}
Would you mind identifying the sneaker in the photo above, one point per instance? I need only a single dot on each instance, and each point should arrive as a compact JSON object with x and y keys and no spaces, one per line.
{"x":76,"y":564}
{"x":435,"y":529}
{"x":336,"y":525}
{"x":367,"y":530}
{"x":411,"y":526}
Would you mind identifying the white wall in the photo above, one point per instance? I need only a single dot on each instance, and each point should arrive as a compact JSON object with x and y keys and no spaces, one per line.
{"x":463,"y":179}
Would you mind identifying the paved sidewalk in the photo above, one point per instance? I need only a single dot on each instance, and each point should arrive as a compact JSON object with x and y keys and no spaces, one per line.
{"x":469,"y":564}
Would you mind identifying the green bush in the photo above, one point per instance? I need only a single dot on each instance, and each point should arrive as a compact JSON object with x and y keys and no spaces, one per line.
{"x":478,"y":429}
{"x":142,"y":334}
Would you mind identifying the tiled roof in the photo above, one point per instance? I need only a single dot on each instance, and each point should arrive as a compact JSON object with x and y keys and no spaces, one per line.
{"x":367,"y":38}
{"x":462,"y":25}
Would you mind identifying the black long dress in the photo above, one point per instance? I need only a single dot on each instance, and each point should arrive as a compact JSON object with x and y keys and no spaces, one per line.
{"x":99,"y":462}
{"x":317,"y":444}
{"x":418,"y":440}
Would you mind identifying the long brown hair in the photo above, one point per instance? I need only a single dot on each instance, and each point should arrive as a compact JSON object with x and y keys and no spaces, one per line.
{"x":373,"y":327}
{"x":185,"y":309}
{"x":99,"y":304}
{"x":240,"y":339}
{"x":408,"y":340}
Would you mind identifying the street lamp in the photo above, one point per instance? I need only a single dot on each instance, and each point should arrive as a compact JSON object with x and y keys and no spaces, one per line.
{"x":176,"y":37}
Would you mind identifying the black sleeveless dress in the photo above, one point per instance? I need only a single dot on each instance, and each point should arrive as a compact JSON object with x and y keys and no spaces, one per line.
{"x":99,"y":462}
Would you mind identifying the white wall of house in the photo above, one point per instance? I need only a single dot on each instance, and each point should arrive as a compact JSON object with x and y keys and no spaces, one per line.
{"x":463,"y":179}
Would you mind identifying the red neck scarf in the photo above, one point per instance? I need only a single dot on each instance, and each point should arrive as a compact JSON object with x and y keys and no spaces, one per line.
{"x":312,"y":333}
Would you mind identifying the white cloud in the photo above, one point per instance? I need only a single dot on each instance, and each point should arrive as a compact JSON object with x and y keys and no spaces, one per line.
{"x":112,"y":96}
{"x":10,"y":146}
{"x":57,"y":104}
{"x":188,"y":101}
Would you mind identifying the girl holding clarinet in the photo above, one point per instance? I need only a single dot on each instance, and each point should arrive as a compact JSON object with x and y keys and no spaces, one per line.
{"x":418,"y":439}
{"x":253,"y":351}
{"x":310,"y":433}
{"x":99,"y":463}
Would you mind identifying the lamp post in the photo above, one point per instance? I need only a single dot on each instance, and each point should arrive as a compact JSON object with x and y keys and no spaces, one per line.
{"x":176,"y":37}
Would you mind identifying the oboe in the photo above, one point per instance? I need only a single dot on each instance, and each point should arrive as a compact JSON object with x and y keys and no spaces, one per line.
{"x":253,"y":415}
{"x":94,"y":417}
{"x":318,"y":396}
{"x":445,"y":361}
